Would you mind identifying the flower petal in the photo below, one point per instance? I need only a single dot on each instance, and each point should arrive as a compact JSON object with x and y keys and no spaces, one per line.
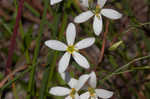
{"x":84,"y":3}
{"x":56,"y":45}
{"x":59,"y":91}
{"x":77,"y":96}
{"x":73,"y":82}
{"x":55,"y":1}
{"x":64,"y":62}
{"x":85,"y":95}
{"x":110,"y":13}
{"x":101,"y":3}
{"x":94,"y":97}
{"x":102,"y":93}
{"x":82,"y":80}
{"x":97,"y":25}
{"x":68,"y":97}
{"x":92,"y":80}
{"x":65,"y":76}
{"x":85,"y":43}
{"x":71,"y":34}
{"x":81,"y":60}
{"x":83,"y":17}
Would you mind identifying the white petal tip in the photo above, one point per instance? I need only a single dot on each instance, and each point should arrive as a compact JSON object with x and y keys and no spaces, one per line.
{"x":120,"y":16}
{"x":98,"y":25}
{"x":86,"y":66}
{"x":83,"y":17}
{"x":92,"y":73}
{"x":50,"y":91}
{"x":85,"y":43}
{"x":110,"y":94}
{"x":92,"y":39}
{"x":76,"y":20}
{"x":97,"y":33}
{"x":59,"y":91}
{"x":81,"y":60}
{"x":102,"y":93}
{"x":111,"y":14}
{"x":56,"y":45}
{"x":70,"y":34}
{"x":46,"y":43}
{"x":64,"y":62}
{"x":52,"y":2}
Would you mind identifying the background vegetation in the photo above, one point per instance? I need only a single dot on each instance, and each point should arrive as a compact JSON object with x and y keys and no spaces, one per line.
{"x":123,"y":70}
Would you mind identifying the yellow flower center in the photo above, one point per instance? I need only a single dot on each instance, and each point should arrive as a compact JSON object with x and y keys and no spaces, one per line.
{"x":73,"y":92}
{"x":92,"y":92}
{"x":71,"y":49}
{"x":90,"y":1}
{"x":97,"y":11}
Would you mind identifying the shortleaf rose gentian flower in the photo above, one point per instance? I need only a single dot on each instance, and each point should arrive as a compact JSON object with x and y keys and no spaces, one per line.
{"x":72,"y":92}
{"x":97,"y":13}
{"x":93,"y":92}
{"x":71,"y":48}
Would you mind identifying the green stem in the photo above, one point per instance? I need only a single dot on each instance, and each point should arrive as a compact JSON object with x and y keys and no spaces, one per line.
{"x":123,"y":67}
{"x":36,"y":13}
{"x":36,"y":51}
{"x":45,"y":78}
{"x":15,"y":93}
{"x":64,"y":22}
{"x":48,"y":74}
{"x":9,"y":31}
{"x":133,"y":69}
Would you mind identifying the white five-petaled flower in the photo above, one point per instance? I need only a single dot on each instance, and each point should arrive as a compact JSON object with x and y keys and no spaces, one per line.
{"x":94,"y":93}
{"x":99,"y":10}
{"x":72,"y":92}
{"x":71,"y":48}
{"x":52,"y":2}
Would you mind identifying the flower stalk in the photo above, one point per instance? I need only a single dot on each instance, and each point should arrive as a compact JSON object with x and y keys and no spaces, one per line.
{"x":13,"y":38}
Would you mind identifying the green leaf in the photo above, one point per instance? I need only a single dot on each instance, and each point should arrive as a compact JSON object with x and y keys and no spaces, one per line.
{"x":115,"y":46}
{"x":1,"y":76}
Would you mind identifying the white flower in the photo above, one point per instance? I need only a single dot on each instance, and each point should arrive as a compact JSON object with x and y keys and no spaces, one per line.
{"x":65,"y":76}
{"x":99,"y":10}
{"x":94,"y":93}
{"x":52,"y":2}
{"x":72,"y":92}
{"x":71,"y":48}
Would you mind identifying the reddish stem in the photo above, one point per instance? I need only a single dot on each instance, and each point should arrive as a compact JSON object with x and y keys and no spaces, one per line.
{"x":104,"y":42}
{"x":13,"y":37}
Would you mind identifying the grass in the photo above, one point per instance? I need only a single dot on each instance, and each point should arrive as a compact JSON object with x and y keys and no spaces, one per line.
{"x":124,"y":67}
